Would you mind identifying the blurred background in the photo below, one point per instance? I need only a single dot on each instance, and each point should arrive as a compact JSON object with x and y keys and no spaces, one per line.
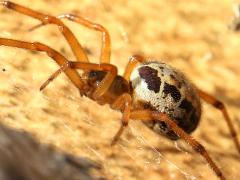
{"x":193,"y":36}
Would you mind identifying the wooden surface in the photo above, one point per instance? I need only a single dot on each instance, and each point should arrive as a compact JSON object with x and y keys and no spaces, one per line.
{"x":192,"y":36}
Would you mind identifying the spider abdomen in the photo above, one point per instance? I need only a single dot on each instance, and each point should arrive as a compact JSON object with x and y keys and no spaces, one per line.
{"x":160,"y":87}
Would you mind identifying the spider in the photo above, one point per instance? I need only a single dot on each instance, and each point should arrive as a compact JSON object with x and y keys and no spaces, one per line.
{"x":150,"y":91}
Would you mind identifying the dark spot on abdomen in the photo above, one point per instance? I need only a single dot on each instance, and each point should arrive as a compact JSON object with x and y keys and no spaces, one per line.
{"x":186,"y":105}
{"x":173,"y":91}
{"x":150,"y":76}
{"x":161,"y":68}
{"x":190,"y":121}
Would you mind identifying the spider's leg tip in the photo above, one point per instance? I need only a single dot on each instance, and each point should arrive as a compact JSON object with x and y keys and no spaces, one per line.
{"x":35,"y":27}
{"x":114,"y":142}
{"x":42,"y":87}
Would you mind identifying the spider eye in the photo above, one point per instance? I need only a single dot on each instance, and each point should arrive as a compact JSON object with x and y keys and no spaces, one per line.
{"x":98,"y":75}
{"x":92,"y":74}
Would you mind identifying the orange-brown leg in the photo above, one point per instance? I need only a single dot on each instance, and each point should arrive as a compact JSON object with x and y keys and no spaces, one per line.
{"x":123,"y":103}
{"x":132,"y":63}
{"x":148,"y":115}
{"x":53,"y":76}
{"x":102,"y":87}
{"x":46,"y":19}
{"x":106,"y":42}
{"x":56,"y":56}
{"x":219,"y":105}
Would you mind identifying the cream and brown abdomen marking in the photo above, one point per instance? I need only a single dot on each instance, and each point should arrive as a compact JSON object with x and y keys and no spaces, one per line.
{"x":160,"y":87}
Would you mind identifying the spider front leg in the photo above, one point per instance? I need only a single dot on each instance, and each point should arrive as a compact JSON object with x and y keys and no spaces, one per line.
{"x":106,"y":42}
{"x":102,"y":86}
{"x":56,"y":56}
{"x":219,"y":105}
{"x":148,"y":115}
{"x":47,"y":19}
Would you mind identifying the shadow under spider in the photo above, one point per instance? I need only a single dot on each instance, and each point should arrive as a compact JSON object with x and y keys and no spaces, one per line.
{"x":22,"y":157}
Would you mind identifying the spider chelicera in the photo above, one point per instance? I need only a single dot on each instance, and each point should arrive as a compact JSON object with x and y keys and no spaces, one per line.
{"x":152,"y":92}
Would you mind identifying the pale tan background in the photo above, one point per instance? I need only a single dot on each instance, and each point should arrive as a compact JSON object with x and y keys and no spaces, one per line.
{"x":193,"y":36}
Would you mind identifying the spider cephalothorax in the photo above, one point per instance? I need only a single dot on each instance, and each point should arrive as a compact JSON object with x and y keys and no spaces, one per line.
{"x":162,"y":88}
{"x":118,"y":86}
{"x":149,"y":91}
